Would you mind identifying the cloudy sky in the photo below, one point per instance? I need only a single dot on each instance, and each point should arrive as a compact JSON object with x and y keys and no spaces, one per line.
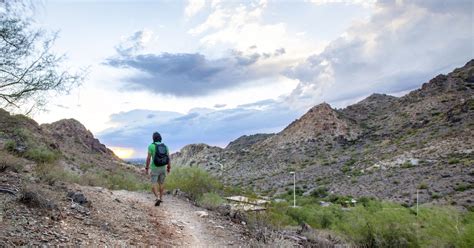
{"x":211,"y":71}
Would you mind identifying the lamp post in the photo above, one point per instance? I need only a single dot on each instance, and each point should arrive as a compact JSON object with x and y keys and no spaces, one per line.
{"x":294,"y":188}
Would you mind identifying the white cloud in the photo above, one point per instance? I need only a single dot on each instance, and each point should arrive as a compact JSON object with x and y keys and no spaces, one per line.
{"x":136,"y":42}
{"x":193,"y":7}
{"x":238,"y":26}
{"x":403,"y":44}
{"x":364,"y":3}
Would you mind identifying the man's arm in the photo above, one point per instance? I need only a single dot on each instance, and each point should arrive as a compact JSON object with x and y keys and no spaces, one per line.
{"x":147,"y":165}
{"x":168,"y":167}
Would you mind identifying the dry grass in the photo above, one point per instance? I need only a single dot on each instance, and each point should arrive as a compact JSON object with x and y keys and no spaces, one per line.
{"x":10,"y":162}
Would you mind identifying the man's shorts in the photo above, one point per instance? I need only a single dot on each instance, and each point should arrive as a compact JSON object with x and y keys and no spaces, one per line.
{"x":158,"y":174}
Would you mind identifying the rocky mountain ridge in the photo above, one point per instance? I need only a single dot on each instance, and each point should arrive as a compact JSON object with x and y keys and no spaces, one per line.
{"x":382,"y":146}
{"x":66,"y":138}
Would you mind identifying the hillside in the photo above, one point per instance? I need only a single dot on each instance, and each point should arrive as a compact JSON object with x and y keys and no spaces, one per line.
{"x":382,"y":146}
{"x":67,"y":141}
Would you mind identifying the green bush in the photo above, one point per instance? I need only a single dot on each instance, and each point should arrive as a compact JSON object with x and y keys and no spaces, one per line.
{"x":463,"y":187}
{"x":50,"y":173}
{"x":422,"y":186}
{"x":194,"y":181}
{"x":453,"y":161}
{"x":10,"y":145}
{"x":315,"y":216}
{"x":389,"y":226}
{"x":407,"y":165}
{"x":345,"y":169}
{"x":10,"y":162}
{"x":373,"y":223}
{"x":41,"y":155}
{"x":117,"y":179}
{"x":210,"y":200}
{"x":446,"y":227}
{"x":320,"y":192}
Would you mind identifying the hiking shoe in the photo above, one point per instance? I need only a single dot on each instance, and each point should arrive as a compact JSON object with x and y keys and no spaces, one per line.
{"x":157,"y":203}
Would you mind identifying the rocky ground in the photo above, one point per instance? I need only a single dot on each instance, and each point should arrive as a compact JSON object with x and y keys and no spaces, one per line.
{"x":92,"y":216}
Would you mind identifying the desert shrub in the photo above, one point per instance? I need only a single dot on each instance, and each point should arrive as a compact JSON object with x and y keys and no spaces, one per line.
{"x":389,"y":226}
{"x":320,"y":192}
{"x":116,"y":179}
{"x":36,"y":199}
{"x":194,"y":181}
{"x":350,"y":162}
{"x":41,"y":155}
{"x":315,"y":216}
{"x":345,"y":169}
{"x":297,"y":191}
{"x":210,"y":200}
{"x":10,"y":145}
{"x":339,"y":199}
{"x":94,"y":179}
{"x":51,"y":173}
{"x":463,"y":187}
{"x":84,"y":166}
{"x":10,"y":162}
{"x":422,"y":186}
{"x":446,"y":227}
{"x":277,"y":216}
{"x":374,"y":223}
{"x":453,"y":161}
{"x":407,"y":165}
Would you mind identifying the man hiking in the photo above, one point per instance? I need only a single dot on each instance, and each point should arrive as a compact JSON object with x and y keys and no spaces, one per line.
{"x":158,"y":157}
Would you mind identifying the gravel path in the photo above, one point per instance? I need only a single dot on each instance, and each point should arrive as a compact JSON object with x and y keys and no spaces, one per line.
{"x":193,"y":226}
{"x":110,"y":218}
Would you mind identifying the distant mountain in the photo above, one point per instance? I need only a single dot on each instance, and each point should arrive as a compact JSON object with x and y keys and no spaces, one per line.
{"x":382,"y":146}
{"x":136,"y":161}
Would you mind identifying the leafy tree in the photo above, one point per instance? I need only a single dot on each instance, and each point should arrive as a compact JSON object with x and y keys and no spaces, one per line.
{"x":29,"y":70}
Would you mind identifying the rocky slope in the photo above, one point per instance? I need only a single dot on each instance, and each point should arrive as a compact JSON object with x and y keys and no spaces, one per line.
{"x":67,"y":139}
{"x":382,"y":146}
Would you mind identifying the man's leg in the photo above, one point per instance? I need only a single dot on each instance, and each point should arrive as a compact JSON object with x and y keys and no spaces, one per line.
{"x":162,"y":189}
{"x":154,"y":189}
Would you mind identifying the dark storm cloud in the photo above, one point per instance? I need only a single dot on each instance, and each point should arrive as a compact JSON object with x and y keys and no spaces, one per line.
{"x":192,"y":74}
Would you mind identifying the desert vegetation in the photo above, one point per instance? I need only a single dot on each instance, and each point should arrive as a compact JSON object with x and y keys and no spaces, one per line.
{"x":368,"y":222}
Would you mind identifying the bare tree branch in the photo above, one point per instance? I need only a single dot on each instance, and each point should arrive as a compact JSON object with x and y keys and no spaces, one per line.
{"x":28,"y":68}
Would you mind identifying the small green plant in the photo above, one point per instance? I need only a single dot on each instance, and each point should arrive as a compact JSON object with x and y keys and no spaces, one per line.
{"x":10,"y":145}
{"x":435,"y":196}
{"x":345,"y":169}
{"x":194,"y":181}
{"x":453,"y":161}
{"x":463,"y":187}
{"x":51,"y":173}
{"x":10,"y":162}
{"x":41,"y":155}
{"x":85,"y":166}
{"x":350,"y":162}
{"x":407,"y":165}
{"x":210,"y":200}
{"x":320,"y":192}
{"x":422,"y":186}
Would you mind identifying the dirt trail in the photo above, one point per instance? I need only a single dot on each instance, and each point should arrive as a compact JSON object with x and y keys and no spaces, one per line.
{"x":111,"y":218}
{"x":184,"y":219}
